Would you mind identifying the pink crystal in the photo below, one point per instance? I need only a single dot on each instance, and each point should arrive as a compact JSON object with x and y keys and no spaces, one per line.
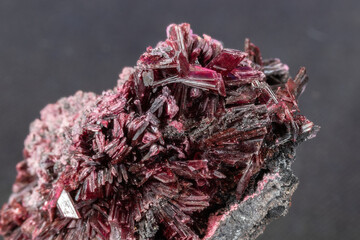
{"x":185,"y":130}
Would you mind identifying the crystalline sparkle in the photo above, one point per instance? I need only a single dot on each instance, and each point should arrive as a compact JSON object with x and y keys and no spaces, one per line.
{"x":188,"y":129}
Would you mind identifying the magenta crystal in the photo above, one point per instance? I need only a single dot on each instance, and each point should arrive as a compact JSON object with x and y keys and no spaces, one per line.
{"x":190,"y":127}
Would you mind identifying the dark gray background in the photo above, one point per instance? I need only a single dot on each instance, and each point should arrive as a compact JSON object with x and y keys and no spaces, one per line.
{"x":50,"y":49}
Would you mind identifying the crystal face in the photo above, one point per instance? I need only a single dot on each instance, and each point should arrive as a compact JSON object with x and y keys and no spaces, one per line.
{"x":187,"y":130}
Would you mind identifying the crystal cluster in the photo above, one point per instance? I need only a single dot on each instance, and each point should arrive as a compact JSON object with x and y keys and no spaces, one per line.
{"x":188,"y":129}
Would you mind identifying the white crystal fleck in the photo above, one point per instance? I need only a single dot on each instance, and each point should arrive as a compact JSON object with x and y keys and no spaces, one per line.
{"x":66,"y":206}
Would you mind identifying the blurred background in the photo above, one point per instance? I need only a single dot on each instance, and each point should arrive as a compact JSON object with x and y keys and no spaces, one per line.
{"x":50,"y":49}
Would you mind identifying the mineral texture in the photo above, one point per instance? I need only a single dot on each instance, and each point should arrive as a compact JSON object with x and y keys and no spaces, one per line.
{"x":194,"y":142}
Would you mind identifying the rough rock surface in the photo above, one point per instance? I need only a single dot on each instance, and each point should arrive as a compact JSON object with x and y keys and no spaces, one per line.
{"x":247,"y":219}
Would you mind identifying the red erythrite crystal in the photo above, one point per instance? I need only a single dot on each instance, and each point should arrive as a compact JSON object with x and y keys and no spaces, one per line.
{"x":183,"y":132}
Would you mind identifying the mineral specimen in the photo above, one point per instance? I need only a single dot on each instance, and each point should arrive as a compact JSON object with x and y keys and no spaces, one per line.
{"x":194,"y":142}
